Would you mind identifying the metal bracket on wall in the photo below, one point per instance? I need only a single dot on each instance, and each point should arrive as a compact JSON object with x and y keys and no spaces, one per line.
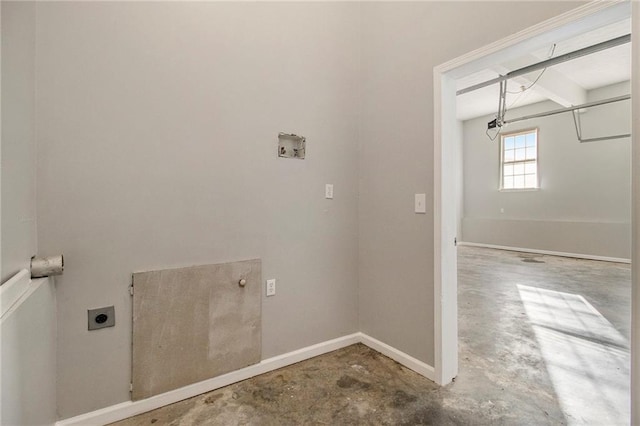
{"x":578,"y":124}
{"x":576,"y":118}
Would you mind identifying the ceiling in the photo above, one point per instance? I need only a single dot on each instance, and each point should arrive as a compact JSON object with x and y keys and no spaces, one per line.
{"x":565,"y":83}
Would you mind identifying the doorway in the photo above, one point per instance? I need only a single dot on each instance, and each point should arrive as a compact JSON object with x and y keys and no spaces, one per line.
{"x":590,"y":16}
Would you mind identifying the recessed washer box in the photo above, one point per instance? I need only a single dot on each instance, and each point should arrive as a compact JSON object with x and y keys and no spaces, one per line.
{"x":101,"y":317}
{"x":291,"y":146}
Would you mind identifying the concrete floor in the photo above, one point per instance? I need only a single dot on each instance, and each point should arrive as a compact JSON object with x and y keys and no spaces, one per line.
{"x":543,"y":340}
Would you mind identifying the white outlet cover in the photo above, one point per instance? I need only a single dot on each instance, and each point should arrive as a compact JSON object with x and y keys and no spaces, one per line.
{"x":271,"y":287}
{"x":328,"y":191}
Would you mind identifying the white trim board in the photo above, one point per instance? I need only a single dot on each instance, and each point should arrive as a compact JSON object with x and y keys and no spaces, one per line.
{"x":128,"y":409}
{"x":547,"y":252}
{"x":12,"y":291}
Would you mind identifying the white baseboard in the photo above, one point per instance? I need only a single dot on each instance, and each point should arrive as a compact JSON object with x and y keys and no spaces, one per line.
{"x":127,"y":409}
{"x":408,"y":361}
{"x":548,"y":252}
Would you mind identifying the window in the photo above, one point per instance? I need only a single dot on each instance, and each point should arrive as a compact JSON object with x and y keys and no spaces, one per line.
{"x":519,"y":160}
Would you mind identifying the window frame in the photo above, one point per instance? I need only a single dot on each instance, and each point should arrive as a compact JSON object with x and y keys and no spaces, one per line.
{"x":503,"y":136}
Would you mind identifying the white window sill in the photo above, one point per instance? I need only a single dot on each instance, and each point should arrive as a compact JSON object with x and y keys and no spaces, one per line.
{"x":520,"y":190}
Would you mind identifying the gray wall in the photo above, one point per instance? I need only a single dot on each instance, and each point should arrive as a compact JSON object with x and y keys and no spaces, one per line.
{"x":401,"y":43}
{"x":157,"y":124}
{"x":18,"y":147}
{"x":157,"y":129}
{"x":584,"y":202}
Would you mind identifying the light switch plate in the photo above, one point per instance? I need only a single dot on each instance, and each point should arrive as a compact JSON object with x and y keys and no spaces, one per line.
{"x":101,"y":317}
{"x":328,"y":191}
{"x":420,"y":203}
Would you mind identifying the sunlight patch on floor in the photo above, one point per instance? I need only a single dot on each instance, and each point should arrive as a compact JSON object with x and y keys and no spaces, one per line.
{"x":586,"y":357}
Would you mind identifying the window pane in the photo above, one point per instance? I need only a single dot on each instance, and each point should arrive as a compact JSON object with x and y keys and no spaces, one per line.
{"x":508,"y":143}
{"x":508,"y":183}
{"x":530,"y":168}
{"x":518,"y":169}
{"x":530,"y":181}
{"x":508,"y":170}
{"x":518,"y":181}
{"x":531,"y":139}
{"x":519,"y":158}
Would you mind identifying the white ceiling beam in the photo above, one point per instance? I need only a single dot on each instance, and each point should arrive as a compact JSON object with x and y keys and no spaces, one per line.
{"x":553,"y":84}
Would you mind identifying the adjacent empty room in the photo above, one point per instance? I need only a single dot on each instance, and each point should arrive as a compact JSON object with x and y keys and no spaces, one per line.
{"x":545,"y":223}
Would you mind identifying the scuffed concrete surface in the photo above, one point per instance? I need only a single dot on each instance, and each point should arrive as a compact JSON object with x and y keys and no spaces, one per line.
{"x":355,"y":385}
{"x":503,"y":376}
{"x":502,"y":346}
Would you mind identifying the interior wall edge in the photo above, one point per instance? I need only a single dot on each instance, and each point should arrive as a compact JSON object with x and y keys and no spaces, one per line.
{"x":635,"y":227}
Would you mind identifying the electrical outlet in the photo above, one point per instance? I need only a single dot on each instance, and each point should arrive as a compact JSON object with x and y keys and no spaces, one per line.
{"x":271,"y":287}
{"x":328,"y":191}
{"x":101,"y":317}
